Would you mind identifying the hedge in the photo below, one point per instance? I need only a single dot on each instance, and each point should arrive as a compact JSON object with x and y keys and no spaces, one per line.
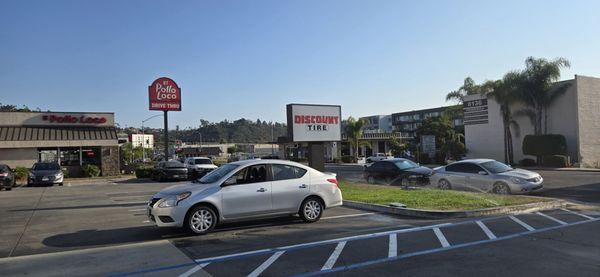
{"x":90,"y":170}
{"x":143,"y":172}
{"x":527,"y":162}
{"x":544,"y":145}
{"x":555,"y":161}
{"x":347,"y":159}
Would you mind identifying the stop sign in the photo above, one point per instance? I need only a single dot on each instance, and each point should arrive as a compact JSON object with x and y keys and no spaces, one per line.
{"x":164,"y":95}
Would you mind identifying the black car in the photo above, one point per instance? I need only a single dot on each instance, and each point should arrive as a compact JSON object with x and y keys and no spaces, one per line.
{"x":45,"y":173}
{"x":7,"y":177}
{"x":397,"y":171}
{"x":171,"y":170}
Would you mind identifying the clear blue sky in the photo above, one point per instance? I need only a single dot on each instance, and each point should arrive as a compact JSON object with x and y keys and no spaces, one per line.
{"x":248,"y":59}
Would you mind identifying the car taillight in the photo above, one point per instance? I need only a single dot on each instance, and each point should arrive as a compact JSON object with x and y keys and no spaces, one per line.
{"x":3,"y":174}
{"x":334,"y":181}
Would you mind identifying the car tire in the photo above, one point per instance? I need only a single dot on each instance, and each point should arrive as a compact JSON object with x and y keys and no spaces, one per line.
{"x":8,"y":188}
{"x":444,"y":184}
{"x":60,"y":184}
{"x":370,"y":179}
{"x":201,"y":220}
{"x":501,"y":188}
{"x":311,"y":209}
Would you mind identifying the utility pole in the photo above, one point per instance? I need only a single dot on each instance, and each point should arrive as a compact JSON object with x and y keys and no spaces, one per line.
{"x":166,"y":136}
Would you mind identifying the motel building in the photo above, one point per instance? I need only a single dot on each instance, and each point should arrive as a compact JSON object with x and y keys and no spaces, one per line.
{"x":72,"y":139}
{"x":575,"y":115}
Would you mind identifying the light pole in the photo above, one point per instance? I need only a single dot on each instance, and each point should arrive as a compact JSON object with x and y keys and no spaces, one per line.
{"x":143,"y":137}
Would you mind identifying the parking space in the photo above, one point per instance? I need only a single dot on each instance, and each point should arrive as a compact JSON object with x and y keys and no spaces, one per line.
{"x":355,"y":252}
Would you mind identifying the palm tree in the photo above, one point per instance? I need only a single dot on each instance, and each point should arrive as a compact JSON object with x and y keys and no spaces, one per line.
{"x":469,"y":87}
{"x":354,"y":133}
{"x":538,"y":89}
{"x":504,"y":92}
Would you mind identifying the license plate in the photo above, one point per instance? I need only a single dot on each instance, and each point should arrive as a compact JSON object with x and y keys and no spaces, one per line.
{"x":44,"y":178}
{"x":175,"y":176}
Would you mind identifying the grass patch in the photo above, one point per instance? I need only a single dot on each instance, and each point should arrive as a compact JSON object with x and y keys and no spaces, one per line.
{"x":430,"y":199}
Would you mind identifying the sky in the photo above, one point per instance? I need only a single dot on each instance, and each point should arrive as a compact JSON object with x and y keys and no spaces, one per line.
{"x":235,"y":59}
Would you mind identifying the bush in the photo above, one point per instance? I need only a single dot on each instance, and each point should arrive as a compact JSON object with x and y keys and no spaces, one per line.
{"x":143,"y":172}
{"x":544,"y":145}
{"x":90,"y":170}
{"x":424,"y":158}
{"x":21,"y":172}
{"x":555,"y":161}
{"x":527,"y":162}
{"x":347,"y":159}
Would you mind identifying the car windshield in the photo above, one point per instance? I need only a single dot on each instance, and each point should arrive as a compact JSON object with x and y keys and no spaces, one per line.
{"x":202,"y":161}
{"x":217,"y":174}
{"x":3,"y":169}
{"x":405,"y":164}
{"x":496,"y":167}
{"x":172,"y":164}
{"x":46,"y":166}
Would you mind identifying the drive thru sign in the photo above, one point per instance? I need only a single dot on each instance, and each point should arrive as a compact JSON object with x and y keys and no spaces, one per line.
{"x":164,"y":95}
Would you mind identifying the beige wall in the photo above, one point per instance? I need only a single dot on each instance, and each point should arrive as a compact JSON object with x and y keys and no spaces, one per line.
{"x":589,"y":120}
{"x":19,"y":157}
{"x":486,"y":140}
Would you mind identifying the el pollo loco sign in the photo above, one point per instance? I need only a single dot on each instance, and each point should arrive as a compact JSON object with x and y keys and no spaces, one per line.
{"x":164,"y":95}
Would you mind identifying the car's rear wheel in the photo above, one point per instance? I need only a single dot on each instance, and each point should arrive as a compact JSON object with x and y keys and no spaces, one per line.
{"x":501,"y":188}
{"x":444,"y":184}
{"x":201,"y":220}
{"x":311,"y":210}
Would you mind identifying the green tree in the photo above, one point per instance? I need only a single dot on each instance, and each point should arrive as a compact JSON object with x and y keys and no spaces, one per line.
{"x":447,"y":139}
{"x":538,"y":89}
{"x":130,"y":153}
{"x":354,"y":133}
{"x":469,"y":87}
{"x":397,"y":147}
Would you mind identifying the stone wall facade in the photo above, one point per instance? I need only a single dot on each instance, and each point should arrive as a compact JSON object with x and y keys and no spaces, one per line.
{"x":110,"y":161}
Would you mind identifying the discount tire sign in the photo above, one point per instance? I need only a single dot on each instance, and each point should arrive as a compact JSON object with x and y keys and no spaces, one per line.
{"x":309,"y":123}
{"x":164,"y":95}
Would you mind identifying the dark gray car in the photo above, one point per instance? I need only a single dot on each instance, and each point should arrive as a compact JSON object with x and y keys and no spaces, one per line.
{"x":7,"y":177}
{"x":45,"y":174}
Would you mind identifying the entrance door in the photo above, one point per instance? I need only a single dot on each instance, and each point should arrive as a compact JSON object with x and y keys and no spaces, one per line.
{"x":250,"y":195}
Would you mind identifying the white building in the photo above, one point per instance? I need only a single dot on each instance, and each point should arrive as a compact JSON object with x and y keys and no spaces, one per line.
{"x":142,"y":140}
{"x":575,"y":114}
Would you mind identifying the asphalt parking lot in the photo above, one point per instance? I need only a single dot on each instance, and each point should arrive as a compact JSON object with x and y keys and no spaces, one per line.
{"x":88,"y":229}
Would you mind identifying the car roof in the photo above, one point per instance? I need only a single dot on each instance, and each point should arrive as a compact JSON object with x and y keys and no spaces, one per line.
{"x":200,"y":158}
{"x":394,"y":159}
{"x":475,"y":161}
{"x":267,"y":161}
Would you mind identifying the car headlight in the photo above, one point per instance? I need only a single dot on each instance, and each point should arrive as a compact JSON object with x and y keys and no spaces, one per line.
{"x":516,"y":180}
{"x":58,"y":175}
{"x":173,"y":200}
{"x":31,"y":175}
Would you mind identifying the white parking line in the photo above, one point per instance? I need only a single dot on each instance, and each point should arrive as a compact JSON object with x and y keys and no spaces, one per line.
{"x":193,"y":270}
{"x":486,"y":230}
{"x":266,"y":264}
{"x":347,"y":215}
{"x":334,"y":256}
{"x":441,"y":237}
{"x":525,"y":225}
{"x":552,"y":218}
{"x":393,"y":248}
{"x":576,"y":213}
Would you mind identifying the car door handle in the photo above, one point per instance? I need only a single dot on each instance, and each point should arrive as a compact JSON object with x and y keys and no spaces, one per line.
{"x":303,"y":186}
{"x":261,"y":190}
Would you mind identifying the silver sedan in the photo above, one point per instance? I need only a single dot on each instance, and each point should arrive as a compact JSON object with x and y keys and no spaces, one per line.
{"x":486,"y":175}
{"x":246,"y":190}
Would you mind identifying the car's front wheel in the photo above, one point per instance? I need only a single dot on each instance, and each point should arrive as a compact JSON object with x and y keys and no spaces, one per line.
{"x":444,"y":184}
{"x":501,"y":188}
{"x":311,"y":210}
{"x":201,"y":220}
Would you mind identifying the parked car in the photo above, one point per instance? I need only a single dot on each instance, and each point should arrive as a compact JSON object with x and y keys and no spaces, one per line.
{"x":45,"y":173}
{"x":377,"y":157}
{"x":199,"y":166}
{"x":244,"y":190}
{"x":7,"y":177}
{"x":171,"y":170}
{"x":487,"y":175}
{"x":397,"y":171}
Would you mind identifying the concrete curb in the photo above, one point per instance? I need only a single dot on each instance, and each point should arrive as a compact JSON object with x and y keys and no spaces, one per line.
{"x":432,"y":214}
{"x":565,"y":169}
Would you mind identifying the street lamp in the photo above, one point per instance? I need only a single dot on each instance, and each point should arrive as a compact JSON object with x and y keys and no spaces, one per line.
{"x":143,"y":137}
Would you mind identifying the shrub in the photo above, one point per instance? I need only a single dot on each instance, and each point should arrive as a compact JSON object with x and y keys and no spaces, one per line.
{"x":424,"y":158}
{"x":21,"y":172}
{"x":143,"y":171}
{"x":347,"y":159}
{"x":527,"y":162}
{"x":544,"y":145}
{"x":90,"y":170}
{"x":555,"y":161}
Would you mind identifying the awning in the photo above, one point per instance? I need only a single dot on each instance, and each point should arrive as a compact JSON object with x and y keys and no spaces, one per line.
{"x":57,"y":133}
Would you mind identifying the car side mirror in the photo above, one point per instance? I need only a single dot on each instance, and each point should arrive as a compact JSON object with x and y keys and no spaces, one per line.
{"x":482,"y":173}
{"x":231,"y":181}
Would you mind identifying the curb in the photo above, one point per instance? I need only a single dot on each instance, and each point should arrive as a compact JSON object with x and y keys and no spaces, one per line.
{"x":432,"y":214}
{"x":563,"y":169}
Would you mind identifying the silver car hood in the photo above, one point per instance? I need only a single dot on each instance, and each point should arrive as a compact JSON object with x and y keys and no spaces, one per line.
{"x":521,"y":173}
{"x":177,"y":189}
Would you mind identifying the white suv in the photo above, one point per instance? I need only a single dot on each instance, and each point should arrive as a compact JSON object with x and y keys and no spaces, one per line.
{"x":199,"y":166}
{"x":378,"y":157}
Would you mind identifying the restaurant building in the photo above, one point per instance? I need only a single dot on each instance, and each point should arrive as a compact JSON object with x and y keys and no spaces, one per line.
{"x":72,"y":139}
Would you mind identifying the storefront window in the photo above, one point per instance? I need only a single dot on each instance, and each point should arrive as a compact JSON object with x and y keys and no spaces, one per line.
{"x":48,"y":155}
{"x":69,"y":156}
{"x":91,"y":155}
